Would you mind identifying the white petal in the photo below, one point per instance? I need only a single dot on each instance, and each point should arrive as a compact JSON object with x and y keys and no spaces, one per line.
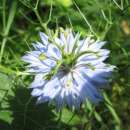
{"x":52,"y":88}
{"x":85,"y":44}
{"x":70,"y":42}
{"x":44,"y":38}
{"x":96,"y":45}
{"x":59,"y":42}
{"x":36,"y":92}
{"x":38,"y":81}
{"x":54,"y":52}
{"x":39,"y":46}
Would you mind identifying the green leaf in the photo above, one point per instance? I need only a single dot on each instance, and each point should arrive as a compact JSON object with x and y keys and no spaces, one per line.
{"x":5,"y":81}
{"x":70,"y":118}
{"x":5,"y":89}
{"x":6,"y":116}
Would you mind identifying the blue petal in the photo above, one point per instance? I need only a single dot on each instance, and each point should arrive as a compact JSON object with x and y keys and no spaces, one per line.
{"x":70,"y":42}
{"x":59,"y":42}
{"x":39,"y":47}
{"x":36,"y":92}
{"x":91,"y":93}
{"x":38,"y":81}
{"x":87,"y":89}
{"x":52,"y":88}
{"x":44,"y":38}
{"x":49,"y":62}
{"x":97,"y":45}
{"x":53,"y":52}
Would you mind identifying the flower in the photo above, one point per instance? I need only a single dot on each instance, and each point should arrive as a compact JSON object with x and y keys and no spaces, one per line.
{"x":68,"y":70}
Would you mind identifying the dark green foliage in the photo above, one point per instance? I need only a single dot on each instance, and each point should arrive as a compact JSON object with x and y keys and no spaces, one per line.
{"x":20,"y":23}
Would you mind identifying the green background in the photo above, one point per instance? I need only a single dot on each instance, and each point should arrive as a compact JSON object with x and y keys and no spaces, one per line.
{"x":20,"y":23}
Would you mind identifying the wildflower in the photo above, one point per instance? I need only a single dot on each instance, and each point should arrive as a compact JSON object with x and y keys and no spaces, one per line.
{"x":68,"y":70}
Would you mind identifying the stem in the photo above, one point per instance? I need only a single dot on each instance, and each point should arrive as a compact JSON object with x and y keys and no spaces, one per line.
{"x":50,"y":14}
{"x":85,"y":19}
{"x":43,"y":25}
{"x":10,"y":71}
{"x":57,"y":67}
{"x":112,"y":111}
{"x":37,"y":4}
{"x":11,"y":17}
{"x":8,"y":26}
{"x":4,"y":18}
{"x":2,"y":48}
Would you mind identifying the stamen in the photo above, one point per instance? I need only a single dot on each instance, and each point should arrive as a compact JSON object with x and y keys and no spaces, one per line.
{"x":42,"y":56}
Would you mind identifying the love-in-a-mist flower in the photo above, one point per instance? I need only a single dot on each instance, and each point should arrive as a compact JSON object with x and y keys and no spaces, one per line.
{"x":68,"y":69}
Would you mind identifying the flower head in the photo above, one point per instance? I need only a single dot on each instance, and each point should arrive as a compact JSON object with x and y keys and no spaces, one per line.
{"x":68,"y":70}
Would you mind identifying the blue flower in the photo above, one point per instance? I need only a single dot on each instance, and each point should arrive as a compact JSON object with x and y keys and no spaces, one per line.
{"x":68,"y":70}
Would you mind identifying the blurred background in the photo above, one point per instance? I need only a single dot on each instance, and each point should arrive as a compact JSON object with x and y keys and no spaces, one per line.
{"x":20,"y":24}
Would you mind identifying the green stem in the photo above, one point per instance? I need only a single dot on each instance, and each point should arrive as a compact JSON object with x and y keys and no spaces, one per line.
{"x":8,"y":26}
{"x":2,"y":48}
{"x":112,"y":111}
{"x":36,"y":4}
{"x":4,"y":18}
{"x":57,"y":67}
{"x":7,"y":70}
{"x":50,"y":14}
{"x":85,"y":19}
{"x":43,"y":25}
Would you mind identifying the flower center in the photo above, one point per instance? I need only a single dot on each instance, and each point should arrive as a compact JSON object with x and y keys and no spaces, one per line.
{"x":68,"y":62}
{"x":64,"y":66}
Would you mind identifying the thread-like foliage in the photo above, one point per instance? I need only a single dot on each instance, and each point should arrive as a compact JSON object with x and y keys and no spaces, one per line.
{"x":20,"y":23}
